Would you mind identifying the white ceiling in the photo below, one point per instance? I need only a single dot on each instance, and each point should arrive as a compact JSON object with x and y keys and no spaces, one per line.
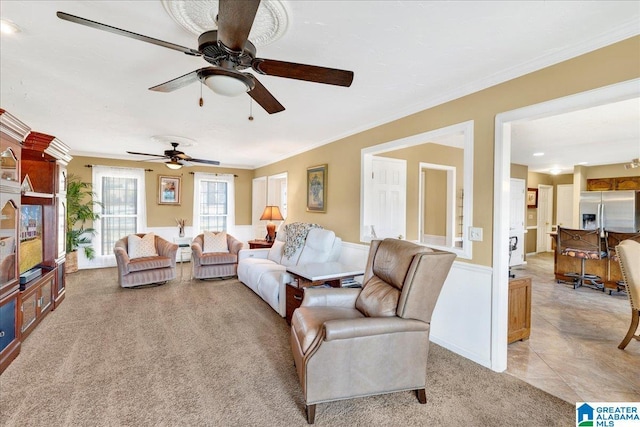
{"x":602,"y":135}
{"x":89,"y":87}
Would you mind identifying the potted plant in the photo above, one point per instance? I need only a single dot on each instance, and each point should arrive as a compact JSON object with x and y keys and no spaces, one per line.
{"x":80,"y":209}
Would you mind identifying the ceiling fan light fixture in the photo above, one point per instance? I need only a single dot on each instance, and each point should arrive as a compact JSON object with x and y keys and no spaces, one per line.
{"x":173,"y":165}
{"x":226,"y":85}
{"x":8,"y":27}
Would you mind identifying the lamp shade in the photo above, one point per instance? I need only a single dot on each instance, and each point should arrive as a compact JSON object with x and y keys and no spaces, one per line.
{"x":226,"y":85}
{"x":173,"y":165}
{"x":271,"y":213}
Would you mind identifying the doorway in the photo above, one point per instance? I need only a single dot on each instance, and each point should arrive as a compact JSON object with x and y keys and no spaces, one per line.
{"x":502,"y":166}
{"x":545,"y":218}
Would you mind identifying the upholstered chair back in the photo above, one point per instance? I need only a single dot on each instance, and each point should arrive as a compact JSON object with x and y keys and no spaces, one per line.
{"x":402,"y":279}
{"x":629,"y":256}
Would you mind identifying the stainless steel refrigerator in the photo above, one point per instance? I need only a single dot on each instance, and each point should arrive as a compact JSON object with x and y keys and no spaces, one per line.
{"x":610,"y":210}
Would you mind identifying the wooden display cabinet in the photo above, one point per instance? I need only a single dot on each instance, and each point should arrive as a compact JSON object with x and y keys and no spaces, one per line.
{"x":12,"y":133}
{"x":519,"y":309}
{"x":43,"y":158}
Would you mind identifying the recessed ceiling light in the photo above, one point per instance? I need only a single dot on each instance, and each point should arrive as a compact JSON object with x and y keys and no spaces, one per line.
{"x":583,"y":163}
{"x":554,"y":171}
{"x":538,"y":154}
{"x":8,"y":27}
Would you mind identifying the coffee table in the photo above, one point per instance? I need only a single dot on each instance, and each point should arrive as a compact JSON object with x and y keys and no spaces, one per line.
{"x":332,"y":274}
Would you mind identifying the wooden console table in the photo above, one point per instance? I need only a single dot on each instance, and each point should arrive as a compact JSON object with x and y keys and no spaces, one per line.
{"x":333,"y":274}
{"x":519,"y":309}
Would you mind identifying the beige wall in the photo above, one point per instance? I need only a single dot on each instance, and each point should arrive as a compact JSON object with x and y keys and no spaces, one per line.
{"x":164,"y":215}
{"x":611,"y":171}
{"x":616,"y":63}
{"x":519,"y":171}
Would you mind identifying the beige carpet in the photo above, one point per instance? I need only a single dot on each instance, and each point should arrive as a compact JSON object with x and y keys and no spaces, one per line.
{"x":213,"y":354}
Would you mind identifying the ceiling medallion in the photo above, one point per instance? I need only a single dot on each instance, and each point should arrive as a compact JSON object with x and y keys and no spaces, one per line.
{"x":168,"y":139}
{"x":197,"y":17}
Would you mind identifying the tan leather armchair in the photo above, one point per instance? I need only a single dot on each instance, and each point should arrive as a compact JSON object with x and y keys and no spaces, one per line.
{"x":350,"y":343}
{"x":144,"y":271}
{"x":209,"y":265}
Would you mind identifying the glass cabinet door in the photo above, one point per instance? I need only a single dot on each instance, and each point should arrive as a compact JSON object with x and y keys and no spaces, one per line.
{"x":62,"y":226}
{"x":29,"y":310}
{"x":45,"y":293}
{"x":9,"y":166}
{"x":8,"y":243}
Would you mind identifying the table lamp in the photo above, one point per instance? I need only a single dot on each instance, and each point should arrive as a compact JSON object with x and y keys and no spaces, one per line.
{"x":271,"y":213}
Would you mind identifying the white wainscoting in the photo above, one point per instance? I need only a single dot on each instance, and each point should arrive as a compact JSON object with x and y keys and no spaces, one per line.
{"x":354,"y":254}
{"x":461,"y":321}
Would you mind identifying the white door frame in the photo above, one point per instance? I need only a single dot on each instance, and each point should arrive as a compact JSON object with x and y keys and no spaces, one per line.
{"x":502,"y":171}
{"x":545,"y":195}
{"x":450,"y":202}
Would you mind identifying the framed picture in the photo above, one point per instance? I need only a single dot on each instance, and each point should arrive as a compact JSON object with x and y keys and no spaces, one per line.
{"x":532,"y":197}
{"x":169,"y":190}
{"x":317,"y":189}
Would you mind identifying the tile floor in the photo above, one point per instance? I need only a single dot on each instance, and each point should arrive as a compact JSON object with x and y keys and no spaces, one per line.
{"x":572,"y":352}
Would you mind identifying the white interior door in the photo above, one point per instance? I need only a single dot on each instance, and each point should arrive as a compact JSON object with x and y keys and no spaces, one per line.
{"x":277,"y":192}
{"x":517,"y":220}
{"x":545,"y":217}
{"x":388,"y":186}
{"x":564,"y":206}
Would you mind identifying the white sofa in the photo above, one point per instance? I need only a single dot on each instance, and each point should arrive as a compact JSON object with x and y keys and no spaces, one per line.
{"x":265,"y":270}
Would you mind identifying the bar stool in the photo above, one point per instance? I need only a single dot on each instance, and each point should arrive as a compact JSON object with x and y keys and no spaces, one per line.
{"x":616,"y":281}
{"x":585,"y":245}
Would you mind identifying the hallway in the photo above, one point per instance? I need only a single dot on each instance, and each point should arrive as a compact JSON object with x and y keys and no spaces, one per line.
{"x":573,"y":349}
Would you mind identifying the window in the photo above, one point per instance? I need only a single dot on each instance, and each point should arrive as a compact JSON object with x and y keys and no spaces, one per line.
{"x":121,"y":191}
{"x":214,"y":205}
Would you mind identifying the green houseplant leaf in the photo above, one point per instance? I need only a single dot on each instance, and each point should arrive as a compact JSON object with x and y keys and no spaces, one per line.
{"x":80,"y":209}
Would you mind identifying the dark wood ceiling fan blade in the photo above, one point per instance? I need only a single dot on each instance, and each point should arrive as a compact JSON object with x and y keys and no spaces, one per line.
{"x":310,"y":73}
{"x":177,"y":83}
{"x":130,"y":34}
{"x":262,"y":96}
{"x":146,"y":154}
{"x":208,"y":162}
{"x":235,"y":19}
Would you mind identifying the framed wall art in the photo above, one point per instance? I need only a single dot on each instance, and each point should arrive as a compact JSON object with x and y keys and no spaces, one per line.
{"x":532,"y":197}
{"x":317,"y":189}
{"x":169,"y":190}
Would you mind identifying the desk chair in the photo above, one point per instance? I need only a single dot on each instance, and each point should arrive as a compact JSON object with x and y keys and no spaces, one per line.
{"x":513,"y":245}
{"x":585,"y":245}
{"x":616,"y":281}
{"x":628,"y":252}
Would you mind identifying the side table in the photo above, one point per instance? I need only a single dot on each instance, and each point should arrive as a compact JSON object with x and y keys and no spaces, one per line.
{"x":184,"y":248}
{"x":259,"y":244}
{"x":331,"y":274}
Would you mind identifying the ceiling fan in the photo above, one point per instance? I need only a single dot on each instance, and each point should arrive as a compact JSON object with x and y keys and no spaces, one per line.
{"x":177,"y":158}
{"x":229,"y":51}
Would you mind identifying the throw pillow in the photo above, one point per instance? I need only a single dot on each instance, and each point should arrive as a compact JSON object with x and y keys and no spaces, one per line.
{"x":215,"y":242}
{"x":140,"y":247}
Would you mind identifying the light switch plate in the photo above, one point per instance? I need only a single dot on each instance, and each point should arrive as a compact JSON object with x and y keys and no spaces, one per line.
{"x":475,"y":234}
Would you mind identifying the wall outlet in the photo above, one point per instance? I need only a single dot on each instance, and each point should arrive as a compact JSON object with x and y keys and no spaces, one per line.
{"x":475,"y":234}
